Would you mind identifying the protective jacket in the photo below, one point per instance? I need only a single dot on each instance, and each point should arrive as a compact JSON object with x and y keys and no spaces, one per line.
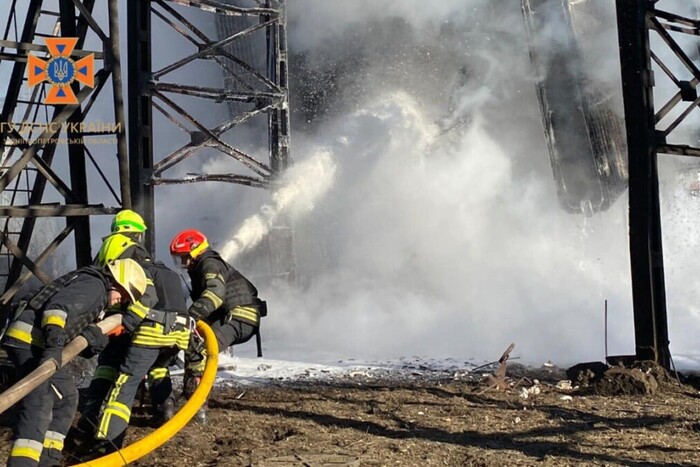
{"x":157,"y":331}
{"x":218,"y":288}
{"x":46,"y":320}
{"x":69,"y":304}
{"x":138,"y":311}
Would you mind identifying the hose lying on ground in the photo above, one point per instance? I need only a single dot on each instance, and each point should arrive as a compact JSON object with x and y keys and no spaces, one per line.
{"x":154,"y":440}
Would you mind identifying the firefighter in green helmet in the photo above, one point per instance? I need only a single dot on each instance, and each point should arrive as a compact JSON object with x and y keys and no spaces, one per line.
{"x":155,"y":333}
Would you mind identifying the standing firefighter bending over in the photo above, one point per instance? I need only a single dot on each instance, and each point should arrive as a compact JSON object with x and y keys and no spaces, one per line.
{"x":42,"y":325}
{"x":221,"y":296}
{"x":155,"y":330}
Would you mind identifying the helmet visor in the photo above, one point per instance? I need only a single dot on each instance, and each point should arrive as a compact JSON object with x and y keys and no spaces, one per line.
{"x":181,"y":261}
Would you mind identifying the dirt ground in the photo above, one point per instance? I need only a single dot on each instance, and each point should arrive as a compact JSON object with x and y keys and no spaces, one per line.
{"x":431,"y":421}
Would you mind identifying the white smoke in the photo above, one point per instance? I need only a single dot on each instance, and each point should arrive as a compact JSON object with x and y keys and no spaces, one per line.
{"x":418,"y":240}
{"x":437,"y":247}
{"x":300,"y":189}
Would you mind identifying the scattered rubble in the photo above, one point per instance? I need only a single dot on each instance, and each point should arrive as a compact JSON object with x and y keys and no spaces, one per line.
{"x":625,"y":381}
{"x":584,"y":374}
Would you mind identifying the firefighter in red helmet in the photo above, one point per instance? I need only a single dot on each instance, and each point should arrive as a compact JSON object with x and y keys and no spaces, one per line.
{"x":221,"y":296}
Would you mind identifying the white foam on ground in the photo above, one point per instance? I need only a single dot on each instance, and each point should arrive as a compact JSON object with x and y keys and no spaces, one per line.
{"x":255,"y":371}
{"x":243,"y":370}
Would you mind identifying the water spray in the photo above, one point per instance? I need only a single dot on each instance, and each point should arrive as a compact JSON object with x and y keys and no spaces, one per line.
{"x":297,"y":194}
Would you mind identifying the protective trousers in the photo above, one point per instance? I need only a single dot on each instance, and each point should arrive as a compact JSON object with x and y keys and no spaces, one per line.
{"x":160,"y":384}
{"x":105,"y":375}
{"x":228,"y":332}
{"x":45,"y":414}
{"x":117,"y":408}
{"x":121,"y":368}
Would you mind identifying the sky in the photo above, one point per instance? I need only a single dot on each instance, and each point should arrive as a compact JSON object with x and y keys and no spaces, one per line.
{"x":425,"y":210}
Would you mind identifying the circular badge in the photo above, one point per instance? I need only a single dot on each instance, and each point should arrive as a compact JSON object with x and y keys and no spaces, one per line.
{"x":60,"y":71}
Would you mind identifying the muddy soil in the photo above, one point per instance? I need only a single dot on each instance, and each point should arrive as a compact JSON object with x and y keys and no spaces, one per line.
{"x":419,"y":422}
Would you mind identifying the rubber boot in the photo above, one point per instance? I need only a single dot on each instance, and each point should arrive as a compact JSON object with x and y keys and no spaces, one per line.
{"x":201,"y":416}
{"x":190,"y":383}
{"x":165,"y":411}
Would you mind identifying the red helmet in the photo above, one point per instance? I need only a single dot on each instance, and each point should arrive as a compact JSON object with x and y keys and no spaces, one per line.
{"x":188,"y":244}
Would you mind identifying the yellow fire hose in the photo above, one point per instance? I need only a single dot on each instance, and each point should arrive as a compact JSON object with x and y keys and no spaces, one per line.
{"x":153,"y":441}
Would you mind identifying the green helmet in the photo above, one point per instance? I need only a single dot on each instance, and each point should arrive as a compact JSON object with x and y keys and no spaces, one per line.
{"x":113,"y":248}
{"x":128,"y":221}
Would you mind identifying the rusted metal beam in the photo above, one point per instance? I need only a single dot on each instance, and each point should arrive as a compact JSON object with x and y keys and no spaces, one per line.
{"x":180,"y":154}
{"x":114,"y":64}
{"x":497,"y":380}
{"x":56,"y":210}
{"x":209,"y":49}
{"x":218,"y":94}
{"x":50,"y":248}
{"x":47,"y":134}
{"x":229,"y":178}
{"x":223,"y":8}
{"x":21,"y":256}
{"x":646,"y":254}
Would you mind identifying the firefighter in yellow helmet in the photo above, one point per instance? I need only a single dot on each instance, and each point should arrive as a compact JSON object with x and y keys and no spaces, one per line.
{"x":42,"y":325}
{"x":158,"y":332}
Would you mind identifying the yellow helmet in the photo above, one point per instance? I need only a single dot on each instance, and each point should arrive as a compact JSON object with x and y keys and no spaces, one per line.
{"x":127,"y":220}
{"x":113,"y":247}
{"x":128,"y":274}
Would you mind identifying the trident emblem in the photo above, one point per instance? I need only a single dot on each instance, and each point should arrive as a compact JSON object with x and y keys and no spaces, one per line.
{"x":60,"y":69}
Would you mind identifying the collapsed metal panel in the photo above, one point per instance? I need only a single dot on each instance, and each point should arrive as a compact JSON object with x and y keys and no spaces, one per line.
{"x":584,"y":135}
{"x":31,"y":186}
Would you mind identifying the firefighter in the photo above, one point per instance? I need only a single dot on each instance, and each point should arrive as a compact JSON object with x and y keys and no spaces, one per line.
{"x":65,"y":308}
{"x":148,"y":344}
{"x":221,"y":296}
{"x":129,"y":223}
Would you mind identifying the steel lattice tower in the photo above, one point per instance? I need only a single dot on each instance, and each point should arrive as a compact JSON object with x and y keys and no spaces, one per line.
{"x":31,"y":181}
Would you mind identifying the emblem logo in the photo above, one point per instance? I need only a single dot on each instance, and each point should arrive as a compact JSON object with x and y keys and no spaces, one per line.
{"x":60,"y":71}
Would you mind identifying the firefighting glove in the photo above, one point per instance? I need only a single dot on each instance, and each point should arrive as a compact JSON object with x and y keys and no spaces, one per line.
{"x":198,"y":311}
{"x":52,"y":354}
{"x":130,"y":321}
{"x":95,"y":339}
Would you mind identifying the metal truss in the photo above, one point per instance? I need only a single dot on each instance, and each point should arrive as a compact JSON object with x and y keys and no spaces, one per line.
{"x":250,"y":91}
{"x":33,"y":133}
{"x":649,"y":133}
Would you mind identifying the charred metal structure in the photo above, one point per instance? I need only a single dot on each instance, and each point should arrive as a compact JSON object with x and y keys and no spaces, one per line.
{"x":649,"y":133}
{"x":34,"y":135}
{"x":255,"y":85}
{"x":584,"y":135}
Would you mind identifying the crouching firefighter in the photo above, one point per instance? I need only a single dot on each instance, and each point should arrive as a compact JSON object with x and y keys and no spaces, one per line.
{"x":155,"y":331}
{"x":221,"y":296}
{"x":62,"y":310}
